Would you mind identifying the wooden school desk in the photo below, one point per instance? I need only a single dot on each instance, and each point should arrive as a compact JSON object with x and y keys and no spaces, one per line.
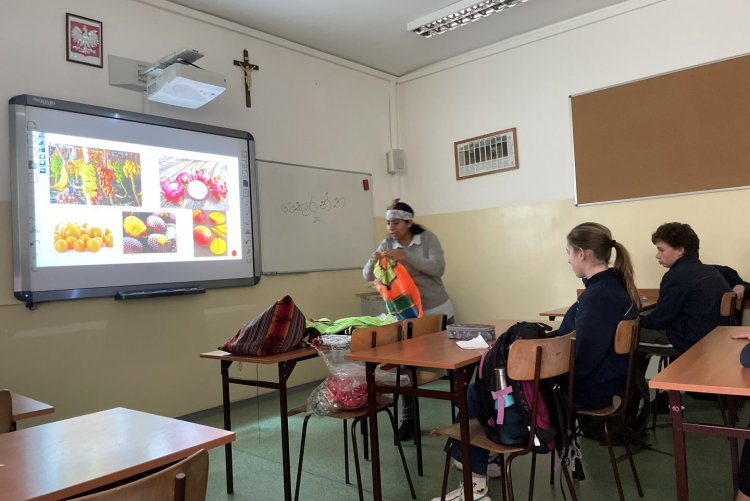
{"x":648,"y":301}
{"x":286,"y":363}
{"x":430,"y":351}
{"x":710,"y":366}
{"x":70,"y":457}
{"x":24,"y":407}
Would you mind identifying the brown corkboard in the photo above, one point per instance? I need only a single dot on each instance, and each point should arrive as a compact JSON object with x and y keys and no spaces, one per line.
{"x":681,"y":132}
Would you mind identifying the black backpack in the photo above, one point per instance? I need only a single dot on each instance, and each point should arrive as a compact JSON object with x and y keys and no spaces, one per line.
{"x":553,"y":428}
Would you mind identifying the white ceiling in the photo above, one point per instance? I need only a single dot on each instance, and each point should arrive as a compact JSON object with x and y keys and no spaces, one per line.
{"x":373,"y":32}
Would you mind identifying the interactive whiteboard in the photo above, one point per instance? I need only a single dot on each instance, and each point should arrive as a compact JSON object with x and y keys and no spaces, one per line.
{"x":313,"y":219}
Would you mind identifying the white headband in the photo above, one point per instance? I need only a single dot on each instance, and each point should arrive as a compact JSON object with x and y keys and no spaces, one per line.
{"x":391,"y":214}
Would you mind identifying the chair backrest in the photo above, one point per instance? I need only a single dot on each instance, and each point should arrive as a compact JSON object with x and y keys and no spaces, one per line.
{"x":370,"y":337}
{"x":731,"y":308}
{"x":183,"y":481}
{"x":415,"y":327}
{"x":555,"y":357}
{"x":6,"y":411}
{"x":626,"y":342}
{"x":626,"y":336}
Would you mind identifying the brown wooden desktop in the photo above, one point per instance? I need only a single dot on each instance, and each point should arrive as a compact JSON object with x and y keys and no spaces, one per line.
{"x":710,"y":366}
{"x":648,"y":301}
{"x":285,"y":363}
{"x":431,"y":351}
{"x":70,"y":457}
{"x":24,"y":407}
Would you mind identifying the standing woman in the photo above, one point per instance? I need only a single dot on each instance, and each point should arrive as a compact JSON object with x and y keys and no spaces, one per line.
{"x":419,"y":250}
{"x":610,"y":296}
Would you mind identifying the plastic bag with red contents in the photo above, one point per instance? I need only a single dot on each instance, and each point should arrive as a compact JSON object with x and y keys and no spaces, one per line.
{"x":346,"y":387}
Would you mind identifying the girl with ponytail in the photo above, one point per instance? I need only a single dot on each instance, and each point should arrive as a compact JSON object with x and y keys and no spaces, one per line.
{"x":610,"y":296}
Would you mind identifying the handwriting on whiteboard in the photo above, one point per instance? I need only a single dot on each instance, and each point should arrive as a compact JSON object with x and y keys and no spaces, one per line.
{"x":315,"y":206}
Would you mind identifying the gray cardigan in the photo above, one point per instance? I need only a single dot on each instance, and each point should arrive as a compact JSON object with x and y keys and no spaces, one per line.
{"x":424,"y":262}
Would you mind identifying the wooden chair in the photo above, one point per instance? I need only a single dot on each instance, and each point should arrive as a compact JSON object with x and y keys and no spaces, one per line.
{"x":528,"y":360}
{"x":183,"y":481}
{"x":626,"y":342}
{"x":363,"y":338}
{"x":416,"y":327}
{"x":6,"y":411}
{"x":731,"y":309}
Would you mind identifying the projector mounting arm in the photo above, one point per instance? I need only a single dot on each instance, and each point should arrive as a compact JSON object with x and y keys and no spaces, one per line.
{"x":184,"y":56}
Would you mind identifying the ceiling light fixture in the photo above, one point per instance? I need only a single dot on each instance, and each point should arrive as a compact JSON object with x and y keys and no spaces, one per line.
{"x":457,"y":14}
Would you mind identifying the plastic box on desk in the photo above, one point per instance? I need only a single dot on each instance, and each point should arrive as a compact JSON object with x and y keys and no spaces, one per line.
{"x":470,"y":331}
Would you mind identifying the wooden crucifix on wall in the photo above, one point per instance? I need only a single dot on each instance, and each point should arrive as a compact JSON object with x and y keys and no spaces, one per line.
{"x":247,"y":68}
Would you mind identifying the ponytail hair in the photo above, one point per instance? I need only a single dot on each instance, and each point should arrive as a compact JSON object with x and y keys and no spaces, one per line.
{"x":598,"y":239}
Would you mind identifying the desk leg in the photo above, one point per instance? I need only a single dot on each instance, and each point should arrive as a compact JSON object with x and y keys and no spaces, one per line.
{"x":733,"y":451}
{"x":678,"y":436}
{"x":462,"y":384}
{"x":285,"y":370}
{"x":372,"y":408}
{"x":227,"y":423}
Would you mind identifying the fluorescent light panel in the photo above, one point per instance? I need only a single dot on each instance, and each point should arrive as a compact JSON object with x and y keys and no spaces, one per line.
{"x":458,"y":14}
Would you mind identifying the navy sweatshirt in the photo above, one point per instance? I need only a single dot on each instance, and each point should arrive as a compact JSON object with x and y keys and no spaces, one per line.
{"x":599,"y":371}
{"x":733,"y":278}
{"x":689,"y":302}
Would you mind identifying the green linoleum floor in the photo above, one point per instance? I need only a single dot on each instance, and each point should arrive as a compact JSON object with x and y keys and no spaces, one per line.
{"x":258,"y":462}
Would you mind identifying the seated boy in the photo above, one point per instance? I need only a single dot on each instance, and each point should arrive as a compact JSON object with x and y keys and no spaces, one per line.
{"x":689,"y":294}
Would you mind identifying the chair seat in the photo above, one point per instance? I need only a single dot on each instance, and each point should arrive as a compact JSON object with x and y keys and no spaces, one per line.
{"x":383,"y":402}
{"x":478,"y":437}
{"x":605,"y":411}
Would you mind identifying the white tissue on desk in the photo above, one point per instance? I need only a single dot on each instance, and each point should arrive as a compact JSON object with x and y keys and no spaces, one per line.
{"x":478,"y":343}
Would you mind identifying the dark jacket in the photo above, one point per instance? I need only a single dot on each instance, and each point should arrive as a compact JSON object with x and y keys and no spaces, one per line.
{"x":689,"y":302}
{"x":599,"y":371}
{"x":733,"y":278}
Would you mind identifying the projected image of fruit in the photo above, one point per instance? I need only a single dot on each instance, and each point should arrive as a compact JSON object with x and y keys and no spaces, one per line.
{"x":144,"y":232}
{"x":81,"y":237}
{"x":81,"y":175}
{"x":192,"y":184}
{"x":209,"y":233}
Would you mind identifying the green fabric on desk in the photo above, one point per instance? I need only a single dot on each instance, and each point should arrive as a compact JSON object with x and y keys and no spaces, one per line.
{"x":326,"y":326}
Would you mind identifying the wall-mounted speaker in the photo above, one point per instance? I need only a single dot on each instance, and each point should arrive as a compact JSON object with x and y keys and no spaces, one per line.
{"x":395,"y":161}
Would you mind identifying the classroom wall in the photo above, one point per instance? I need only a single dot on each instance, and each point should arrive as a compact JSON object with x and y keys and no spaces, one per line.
{"x":504,"y":233}
{"x":308,"y":108}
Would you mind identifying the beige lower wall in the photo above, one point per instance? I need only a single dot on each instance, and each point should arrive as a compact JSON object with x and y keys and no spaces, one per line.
{"x":511,"y":262}
{"x":92,"y":354}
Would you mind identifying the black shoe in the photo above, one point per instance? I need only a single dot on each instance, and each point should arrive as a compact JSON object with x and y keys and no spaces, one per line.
{"x":406,"y":430}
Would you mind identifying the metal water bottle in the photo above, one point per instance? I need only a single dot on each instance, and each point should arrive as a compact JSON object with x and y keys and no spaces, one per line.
{"x":502,"y":382}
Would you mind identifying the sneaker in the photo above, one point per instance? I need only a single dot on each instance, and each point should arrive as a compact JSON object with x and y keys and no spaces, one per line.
{"x":406,"y":430}
{"x":494,"y":466}
{"x":458,"y":494}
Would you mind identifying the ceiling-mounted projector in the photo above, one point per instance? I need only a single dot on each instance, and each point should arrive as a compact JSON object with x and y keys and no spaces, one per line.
{"x":185,"y":86}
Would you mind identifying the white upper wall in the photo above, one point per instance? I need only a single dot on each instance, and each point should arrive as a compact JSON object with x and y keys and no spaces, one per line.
{"x":526,"y":83}
{"x":307,"y":108}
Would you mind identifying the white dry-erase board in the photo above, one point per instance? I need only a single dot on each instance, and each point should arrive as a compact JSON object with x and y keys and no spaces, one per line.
{"x":313,"y":219}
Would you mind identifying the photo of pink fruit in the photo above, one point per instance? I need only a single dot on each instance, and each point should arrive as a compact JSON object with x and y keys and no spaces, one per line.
{"x":192,"y":184}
